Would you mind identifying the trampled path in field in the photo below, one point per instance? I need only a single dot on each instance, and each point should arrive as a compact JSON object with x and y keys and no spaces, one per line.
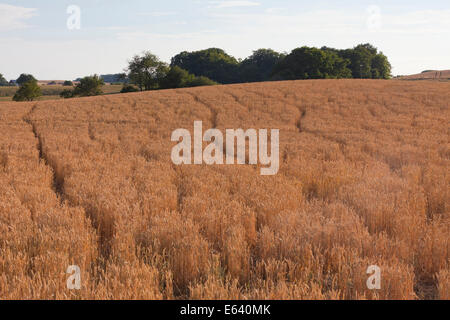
{"x":363,"y":181}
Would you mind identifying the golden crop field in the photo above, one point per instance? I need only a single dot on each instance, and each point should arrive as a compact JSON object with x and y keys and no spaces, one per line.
{"x":364,"y":180}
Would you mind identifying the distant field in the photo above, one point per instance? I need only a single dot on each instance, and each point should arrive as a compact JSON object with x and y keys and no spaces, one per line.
{"x":52,"y":91}
{"x":111,"y":89}
{"x":363,"y":181}
{"x":430,"y":75}
{"x":7,"y":91}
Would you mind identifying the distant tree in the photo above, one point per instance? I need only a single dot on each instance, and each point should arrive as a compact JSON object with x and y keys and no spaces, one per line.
{"x":66,"y":94}
{"x":146,"y":71}
{"x":381,"y":68}
{"x":3,"y":81}
{"x":28,"y":91}
{"x":212,"y":63}
{"x":180,"y":78}
{"x":68,"y":83}
{"x":24,"y":78}
{"x":367,"y":63}
{"x":360,"y":63}
{"x":259,"y":66}
{"x":128,"y":88}
{"x":311,"y":63}
{"x":89,"y":86}
{"x":176,"y":78}
{"x":329,"y":49}
{"x":201,"y":81}
{"x":114,"y":78}
{"x":123,"y":77}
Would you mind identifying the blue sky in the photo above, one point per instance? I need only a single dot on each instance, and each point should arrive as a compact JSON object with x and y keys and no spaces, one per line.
{"x":34,"y":37}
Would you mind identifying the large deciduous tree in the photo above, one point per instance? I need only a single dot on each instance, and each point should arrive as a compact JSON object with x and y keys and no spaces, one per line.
{"x":311,"y":63}
{"x":212,"y":63}
{"x":28,"y":91}
{"x":367,"y":63}
{"x":89,"y":86}
{"x":24,"y":78}
{"x":146,"y":71}
{"x":381,"y":68}
{"x":180,"y":78}
{"x":259,"y":66}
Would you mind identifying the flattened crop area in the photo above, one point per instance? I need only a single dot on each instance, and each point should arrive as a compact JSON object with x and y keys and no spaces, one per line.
{"x":363,"y":181}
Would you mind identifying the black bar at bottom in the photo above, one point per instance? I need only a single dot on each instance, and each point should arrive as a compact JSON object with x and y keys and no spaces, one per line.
{"x":222,"y":309}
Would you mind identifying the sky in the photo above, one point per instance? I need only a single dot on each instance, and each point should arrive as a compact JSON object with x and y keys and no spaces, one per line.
{"x":59,"y":40}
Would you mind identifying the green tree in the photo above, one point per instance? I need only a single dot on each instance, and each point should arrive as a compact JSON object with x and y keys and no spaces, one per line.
{"x":311,"y":63}
{"x":381,"y":68}
{"x":176,"y":78}
{"x":89,"y":86}
{"x":259,"y":66}
{"x":128,"y":88}
{"x":66,"y":94}
{"x":212,"y":63}
{"x":180,"y":78}
{"x":367,"y":63}
{"x":28,"y":91}
{"x":201,"y":81}
{"x":24,"y":78}
{"x":3,"y":81}
{"x":68,"y":83}
{"x":146,"y":71}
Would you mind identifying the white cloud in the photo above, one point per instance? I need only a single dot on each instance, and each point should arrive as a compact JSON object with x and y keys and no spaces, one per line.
{"x":158,"y":13}
{"x":335,"y":22}
{"x":282,"y":24}
{"x":434,"y":19}
{"x":114,"y":28}
{"x":233,"y":4}
{"x":12,"y":17}
{"x":150,"y":36}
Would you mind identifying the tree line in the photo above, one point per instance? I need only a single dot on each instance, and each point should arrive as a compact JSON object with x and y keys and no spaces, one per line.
{"x":363,"y":61}
{"x":214,"y":66}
